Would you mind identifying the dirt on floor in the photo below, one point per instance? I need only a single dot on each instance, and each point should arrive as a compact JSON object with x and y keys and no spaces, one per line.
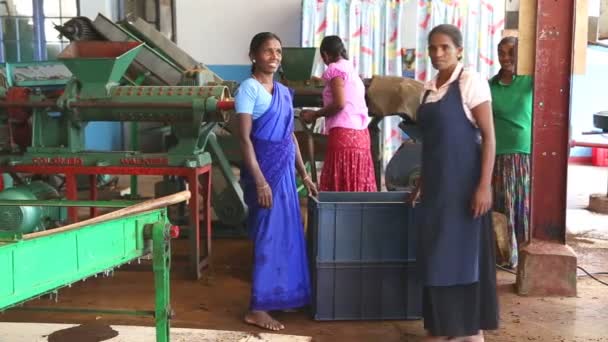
{"x":219,"y":300}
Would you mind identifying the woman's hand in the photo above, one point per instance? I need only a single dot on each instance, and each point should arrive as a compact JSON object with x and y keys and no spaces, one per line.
{"x":414,"y":196}
{"x":482,"y":200}
{"x":264,"y":196}
{"x":308,"y":116}
{"x":310,"y":186}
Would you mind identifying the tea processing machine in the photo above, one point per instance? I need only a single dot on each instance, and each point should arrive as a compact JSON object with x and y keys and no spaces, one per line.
{"x":85,"y":249}
{"x":94,"y":94}
{"x":158,"y":62}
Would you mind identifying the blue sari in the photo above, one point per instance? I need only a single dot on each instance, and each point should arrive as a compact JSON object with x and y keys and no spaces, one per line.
{"x":280,"y":270}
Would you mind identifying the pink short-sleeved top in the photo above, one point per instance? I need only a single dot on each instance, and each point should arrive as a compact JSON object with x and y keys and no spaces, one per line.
{"x":354,"y":115}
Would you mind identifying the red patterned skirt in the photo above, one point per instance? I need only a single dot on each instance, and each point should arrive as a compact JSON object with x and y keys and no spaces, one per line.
{"x":348,"y":164}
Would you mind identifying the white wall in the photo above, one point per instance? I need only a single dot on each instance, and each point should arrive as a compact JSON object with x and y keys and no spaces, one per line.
{"x":219,"y":32}
{"x":90,"y":8}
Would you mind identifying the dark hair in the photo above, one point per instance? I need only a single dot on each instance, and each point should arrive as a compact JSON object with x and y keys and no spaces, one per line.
{"x":333,"y":47}
{"x":257,"y":41}
{"x":508,"y":40}
{"x":449,"y":30}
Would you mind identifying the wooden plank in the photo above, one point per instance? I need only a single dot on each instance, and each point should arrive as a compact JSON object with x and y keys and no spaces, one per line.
{"x":603,"y":20}
{"x":581,"y":30}
{"x":132,"y":210}
{"x":527,"y":37}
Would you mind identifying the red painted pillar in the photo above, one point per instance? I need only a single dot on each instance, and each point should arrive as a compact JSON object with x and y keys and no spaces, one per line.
{"x":547,"y":266}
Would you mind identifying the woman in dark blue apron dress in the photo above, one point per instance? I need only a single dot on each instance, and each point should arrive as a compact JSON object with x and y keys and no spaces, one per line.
{"x":456,"y":244}
{"x":270,"y":157}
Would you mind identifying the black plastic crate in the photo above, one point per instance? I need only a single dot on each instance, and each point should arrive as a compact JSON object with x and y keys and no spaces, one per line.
{"x":362,"y":249}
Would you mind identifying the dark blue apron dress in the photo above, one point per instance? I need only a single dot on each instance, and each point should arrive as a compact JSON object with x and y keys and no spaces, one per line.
{"x":456,"y":250}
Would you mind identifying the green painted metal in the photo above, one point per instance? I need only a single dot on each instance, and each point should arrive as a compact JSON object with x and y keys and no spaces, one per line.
{"x":162,"y":70}
{"x":21,"y":216}
{"x":94,"y":95}
{"x":228,"y":200}
{"x":67,"y":203}
{"x":157,"y":41}
{"x":297,"y":63}
{"x":161,"y":263}
{"x":36,"y":74}
{"x":97,"y":64}
{"x":143,"y":313}
{"x":10,"y":236}
{"x":59,"y":156}
{"x":28,"y":272}
{"x":7,"y":180}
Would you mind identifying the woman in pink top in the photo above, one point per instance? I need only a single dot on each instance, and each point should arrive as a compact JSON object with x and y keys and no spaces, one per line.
{"x":348,"y":162}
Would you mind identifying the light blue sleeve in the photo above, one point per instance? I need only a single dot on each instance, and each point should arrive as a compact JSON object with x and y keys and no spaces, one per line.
{"x":246,"y":96}
{"x":251,"y":98}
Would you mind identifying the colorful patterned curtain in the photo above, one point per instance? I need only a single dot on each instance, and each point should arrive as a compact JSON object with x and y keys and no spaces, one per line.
{"x":481,"y":23}
{"x":371,"y":30}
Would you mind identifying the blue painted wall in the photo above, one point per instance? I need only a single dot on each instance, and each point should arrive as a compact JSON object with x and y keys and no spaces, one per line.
{"x":232,"y":72}
{"x":103,"y":136}
{"x":589,"y":96}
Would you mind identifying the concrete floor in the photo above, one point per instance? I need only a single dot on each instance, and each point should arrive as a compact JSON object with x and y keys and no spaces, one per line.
{"x":219,"y":300}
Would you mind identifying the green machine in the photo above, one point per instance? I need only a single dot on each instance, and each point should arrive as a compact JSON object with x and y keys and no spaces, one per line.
{"x":94,"y":93}
{"x":29,"y":219}
{"x":89,"y":248}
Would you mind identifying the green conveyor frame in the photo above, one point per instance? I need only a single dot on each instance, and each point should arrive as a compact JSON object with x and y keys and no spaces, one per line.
{"x":41,"y":263}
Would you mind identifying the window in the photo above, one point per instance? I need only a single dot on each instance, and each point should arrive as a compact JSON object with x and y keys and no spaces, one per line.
{"x":27,"y":28}
{"x":17,"y":35}
{"x":56,"y":12}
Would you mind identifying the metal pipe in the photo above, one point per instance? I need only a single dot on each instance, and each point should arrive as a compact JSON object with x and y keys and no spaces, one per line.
{"x":221,"y":105}
{"x":118,"y":105}
{"x":28,"y":104}
{"x":66,"y":203}
{"x":575,"y":143}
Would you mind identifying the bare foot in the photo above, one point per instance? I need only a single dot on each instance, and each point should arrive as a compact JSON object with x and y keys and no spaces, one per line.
{"x":435,"y":339}
{"x":263,"y":320}
{"x":474,"y":338}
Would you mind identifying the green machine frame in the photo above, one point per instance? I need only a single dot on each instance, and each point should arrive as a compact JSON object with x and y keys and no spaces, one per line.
{"x":88,"y":248}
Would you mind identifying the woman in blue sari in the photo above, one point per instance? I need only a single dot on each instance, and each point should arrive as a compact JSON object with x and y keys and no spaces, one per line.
{"x":270,"y":157}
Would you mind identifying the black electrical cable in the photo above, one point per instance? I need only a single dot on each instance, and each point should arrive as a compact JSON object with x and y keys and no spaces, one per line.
{"x":592,"y":277}
{"x":505,"y":269}
{"x":587,"y":274}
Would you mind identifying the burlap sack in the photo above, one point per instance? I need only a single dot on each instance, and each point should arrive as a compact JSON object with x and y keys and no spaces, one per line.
{"x":502,"y":237}
{"x":389,"y":95}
